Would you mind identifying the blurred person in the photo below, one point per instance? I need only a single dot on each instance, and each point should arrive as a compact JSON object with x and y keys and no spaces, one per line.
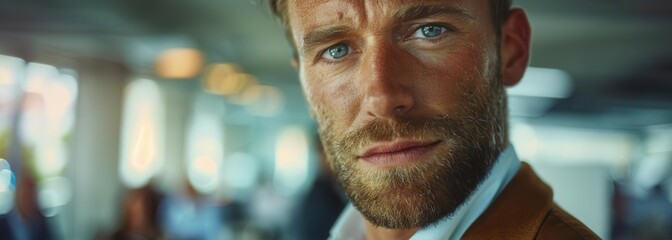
{"x":640,"y":213}
{"x":269,"y":210}
{"x":641,"y":204}
{"x":410,"y":103}
{"x":139,"y":218}
{"x":26,"y":221}
{"x":322,"y":205}
{"x":190,"y":215}
{"x":651,"y":216}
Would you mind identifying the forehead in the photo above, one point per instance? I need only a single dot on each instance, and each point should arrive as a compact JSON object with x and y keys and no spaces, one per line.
{"x":306,"y":15}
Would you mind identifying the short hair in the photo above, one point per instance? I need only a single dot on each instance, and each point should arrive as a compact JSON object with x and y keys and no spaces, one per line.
{"x":500,"y":9}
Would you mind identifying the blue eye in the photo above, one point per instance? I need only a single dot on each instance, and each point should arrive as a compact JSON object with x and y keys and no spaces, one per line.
{"x":429,"y":31}
{"x":337,"y":51}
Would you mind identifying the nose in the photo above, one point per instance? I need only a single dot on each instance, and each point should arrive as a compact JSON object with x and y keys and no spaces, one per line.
{"x":387,"y":88}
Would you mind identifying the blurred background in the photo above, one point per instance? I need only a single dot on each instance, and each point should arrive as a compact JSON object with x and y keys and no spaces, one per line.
{"x":146,"y":119}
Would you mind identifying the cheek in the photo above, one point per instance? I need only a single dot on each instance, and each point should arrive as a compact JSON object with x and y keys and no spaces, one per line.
{"x":450,"y":77}
{"x":331,"y":99}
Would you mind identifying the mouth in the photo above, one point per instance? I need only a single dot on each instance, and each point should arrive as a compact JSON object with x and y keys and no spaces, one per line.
{"x":397,"y":153}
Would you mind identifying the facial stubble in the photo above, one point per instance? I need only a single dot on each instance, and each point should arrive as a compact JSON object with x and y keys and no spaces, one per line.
{"x":425,"y":192}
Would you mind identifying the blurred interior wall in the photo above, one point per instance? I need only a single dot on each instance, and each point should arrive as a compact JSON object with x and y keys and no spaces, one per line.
{"x":582,"y":190}
{"x":177,"y":99}
{"x":93,"y":169}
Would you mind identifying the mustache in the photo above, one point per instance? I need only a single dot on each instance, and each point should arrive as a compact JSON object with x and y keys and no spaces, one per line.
{"x":378,"y":130}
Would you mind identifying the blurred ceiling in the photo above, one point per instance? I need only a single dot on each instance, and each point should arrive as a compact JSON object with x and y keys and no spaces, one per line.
{"x":617,"y":51}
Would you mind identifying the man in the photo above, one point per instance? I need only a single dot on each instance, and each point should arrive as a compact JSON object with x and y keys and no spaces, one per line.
{"x":410,"y":103}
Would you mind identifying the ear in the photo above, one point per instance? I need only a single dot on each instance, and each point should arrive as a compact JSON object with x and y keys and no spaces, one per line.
{"x":515,"y":46}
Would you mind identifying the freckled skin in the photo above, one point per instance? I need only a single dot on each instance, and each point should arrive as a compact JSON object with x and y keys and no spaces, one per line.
{"x":394,"y":82}
{"x":432,"y":78}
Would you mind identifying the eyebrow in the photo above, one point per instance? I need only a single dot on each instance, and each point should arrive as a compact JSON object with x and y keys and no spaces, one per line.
{"x":314,"y":38}
{"x":423,"y":11}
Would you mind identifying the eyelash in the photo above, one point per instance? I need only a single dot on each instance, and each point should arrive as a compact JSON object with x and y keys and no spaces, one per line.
{"x":448,"y":29}
{"x":319,"y":57}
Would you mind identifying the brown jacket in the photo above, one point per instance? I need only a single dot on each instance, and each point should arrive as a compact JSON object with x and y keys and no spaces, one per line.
{"x":525,"y":210}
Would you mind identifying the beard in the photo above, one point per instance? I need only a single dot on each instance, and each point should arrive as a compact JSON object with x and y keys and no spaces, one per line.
{"x":434,"y":188}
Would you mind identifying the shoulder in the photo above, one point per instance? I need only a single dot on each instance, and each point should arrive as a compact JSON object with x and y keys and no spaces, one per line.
{"x":558,"y":224}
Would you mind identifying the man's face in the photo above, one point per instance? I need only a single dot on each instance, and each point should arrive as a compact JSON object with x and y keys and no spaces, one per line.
{"x":408,"y":99}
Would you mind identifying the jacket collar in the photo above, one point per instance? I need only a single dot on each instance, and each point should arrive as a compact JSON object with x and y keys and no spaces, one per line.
{"x":518,"y":211}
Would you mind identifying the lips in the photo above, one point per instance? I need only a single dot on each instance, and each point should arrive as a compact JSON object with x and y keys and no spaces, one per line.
{"x":397,"y":153}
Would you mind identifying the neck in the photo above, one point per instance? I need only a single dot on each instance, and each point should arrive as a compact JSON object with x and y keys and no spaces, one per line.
{"x":374,"y":232}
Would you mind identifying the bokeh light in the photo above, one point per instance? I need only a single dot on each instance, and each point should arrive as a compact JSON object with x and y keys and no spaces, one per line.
{"x":268,"y":101}
{"x":291,"y":160}
{"x":142,"y":154}
{"x":39,"y":76}
{"x":54,"y":193}
{"x":248,"y":92}
{"x":51,"y":158}
{"x":9,"y":69}
{"x":223,"y":79}
{"x":59,"y":101}
{"x":236,"y":83}
{"x":35,"y":122}
{"x":47,"y":115}
{"x":205,"y":147}
{"x":7,"y":185}
{"x":11,"y":72}
{"x":179,"y":63}
{"x":33,"y":125}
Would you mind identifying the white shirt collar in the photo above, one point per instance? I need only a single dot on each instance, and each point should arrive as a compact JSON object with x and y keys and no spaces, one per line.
{"x":350,"y":225}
